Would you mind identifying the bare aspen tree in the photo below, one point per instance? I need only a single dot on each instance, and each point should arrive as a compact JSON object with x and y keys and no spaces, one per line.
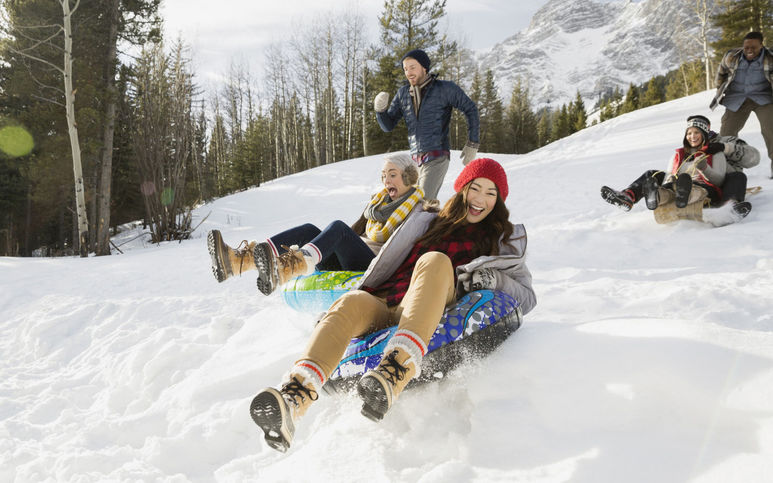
{"x":364,"y":74}
{"x":106,"y":162}
{"x":309,"y":73}
{"x":45,"y":36}
{"x":351,"y":34}
{"x":704,"y":10}
{"x":329,"y":49}
{"x":163,"y":138}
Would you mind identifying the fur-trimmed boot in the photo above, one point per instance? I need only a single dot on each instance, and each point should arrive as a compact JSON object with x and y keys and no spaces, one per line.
{"x":227,"y":261}
{"x":622,"y":199}
{"x":277,"y":270}
{"x":380,"y":387}
{"x":277,"y":411}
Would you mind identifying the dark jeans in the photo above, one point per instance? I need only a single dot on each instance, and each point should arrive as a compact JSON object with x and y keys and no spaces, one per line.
{"x":341,"y":247}
{"x":734,"y":187}
{"x":637,"y":187}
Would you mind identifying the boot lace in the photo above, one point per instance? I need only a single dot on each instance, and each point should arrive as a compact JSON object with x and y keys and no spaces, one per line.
{"x":391,"y":369}
{"x":294,"y":390}
{"x":289,"y":257}
{"x":242,"y":251}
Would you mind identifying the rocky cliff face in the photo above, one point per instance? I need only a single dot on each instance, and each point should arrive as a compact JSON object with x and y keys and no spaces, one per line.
{"x":593,"y":47}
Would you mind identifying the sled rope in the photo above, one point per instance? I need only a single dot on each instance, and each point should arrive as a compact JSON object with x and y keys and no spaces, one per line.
{"x":753,"y":190}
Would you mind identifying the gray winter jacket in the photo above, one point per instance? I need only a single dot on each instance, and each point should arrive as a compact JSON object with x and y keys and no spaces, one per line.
{"x":728,"y":68}
{"x":738,"y":154}
{"x":428,"y":131}
{"x":513,"y":277}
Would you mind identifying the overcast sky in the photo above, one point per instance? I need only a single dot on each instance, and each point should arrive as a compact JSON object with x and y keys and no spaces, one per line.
{"x":239,"y":30}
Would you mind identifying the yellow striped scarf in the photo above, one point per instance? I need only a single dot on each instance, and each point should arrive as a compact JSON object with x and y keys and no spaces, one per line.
{"x":380,"y":232}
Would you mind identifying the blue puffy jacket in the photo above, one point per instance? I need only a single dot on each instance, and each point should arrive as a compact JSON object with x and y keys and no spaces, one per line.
{"x":429,"y":130}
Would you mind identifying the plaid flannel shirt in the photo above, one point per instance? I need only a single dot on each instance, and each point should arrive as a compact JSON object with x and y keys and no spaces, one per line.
{"x":459,"y":246}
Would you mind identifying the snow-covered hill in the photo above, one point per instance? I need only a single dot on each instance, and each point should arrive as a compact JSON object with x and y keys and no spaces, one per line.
{"x":622,"y":42}
{"x":649,"y":357}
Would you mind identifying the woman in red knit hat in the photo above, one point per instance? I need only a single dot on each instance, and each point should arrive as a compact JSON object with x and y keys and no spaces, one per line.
{"x":429,"y":260}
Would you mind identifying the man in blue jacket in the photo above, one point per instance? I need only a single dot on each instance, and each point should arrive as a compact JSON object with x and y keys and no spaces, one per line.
{"x":425,"y":102}
{"x":745,"y":85}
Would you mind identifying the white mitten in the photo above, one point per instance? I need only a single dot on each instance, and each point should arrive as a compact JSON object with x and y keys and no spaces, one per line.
{"x":381,"y":102}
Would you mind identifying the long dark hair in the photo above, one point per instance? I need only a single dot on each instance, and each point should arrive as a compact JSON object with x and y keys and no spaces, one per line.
{"x":496,"y":226}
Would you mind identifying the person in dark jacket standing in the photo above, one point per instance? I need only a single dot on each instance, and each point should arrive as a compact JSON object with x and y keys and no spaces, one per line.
{"x":745,"y":85}
{"x":426,"y":102}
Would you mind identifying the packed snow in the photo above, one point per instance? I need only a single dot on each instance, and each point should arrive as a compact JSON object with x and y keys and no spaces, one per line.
{"x":649,"y":356}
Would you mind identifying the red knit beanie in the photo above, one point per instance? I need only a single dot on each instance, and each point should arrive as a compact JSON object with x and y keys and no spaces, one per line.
{"x":483,"y":168}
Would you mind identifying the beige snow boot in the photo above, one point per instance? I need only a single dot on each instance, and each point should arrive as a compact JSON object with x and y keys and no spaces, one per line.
{"x":380,"y":387}
{"x":278,"y":270}
{"x":227,"y":261}
{"x":277,"y":411}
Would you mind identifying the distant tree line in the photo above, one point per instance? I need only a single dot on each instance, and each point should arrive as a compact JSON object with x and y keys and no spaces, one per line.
{"x":127,"y":113}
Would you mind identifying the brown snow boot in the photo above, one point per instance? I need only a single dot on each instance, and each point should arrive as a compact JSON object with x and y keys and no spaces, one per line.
{"x":227,"y":261}
{"x":277,"y":411}
{"x":380,"y":387}
{"x":276,"y":271}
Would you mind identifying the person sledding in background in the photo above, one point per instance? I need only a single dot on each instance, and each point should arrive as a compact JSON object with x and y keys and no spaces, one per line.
{"x":432,"y":258}
{"x":302,"y":249}
{"x":712,"y":164}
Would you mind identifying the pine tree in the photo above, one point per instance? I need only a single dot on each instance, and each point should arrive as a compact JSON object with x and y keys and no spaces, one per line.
{"x":544,"y":131}
{"x":411,"y":24}
{"x":611,"y":106}
{"x":736,"y":18}
{"x":561,"y":123}
{"x":631,"y":102}
{"x":522,"y":133}
{"x":578,"y":118}
{"x":491,"y":115}
{"x":654,"y":92}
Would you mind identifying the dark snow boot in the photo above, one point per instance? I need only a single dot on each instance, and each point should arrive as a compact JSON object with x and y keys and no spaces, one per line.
{"x":621,"y":199}
{"x":650,"y":190}
{"x":682,"y":187}
{"x":742,"y":208}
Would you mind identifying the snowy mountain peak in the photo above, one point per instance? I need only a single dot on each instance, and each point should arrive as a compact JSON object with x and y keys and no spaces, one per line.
{"x":620,"y":42}
{"x":572,"y":16}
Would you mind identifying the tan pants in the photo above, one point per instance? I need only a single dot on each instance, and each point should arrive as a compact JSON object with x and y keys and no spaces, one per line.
{"x":358,"y":312}
{"x":733,"y":122}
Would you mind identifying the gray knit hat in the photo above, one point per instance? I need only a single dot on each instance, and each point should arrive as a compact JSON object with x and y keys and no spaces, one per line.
{"x":405,"y":162}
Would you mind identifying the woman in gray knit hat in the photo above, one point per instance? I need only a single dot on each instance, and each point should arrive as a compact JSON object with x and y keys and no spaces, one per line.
{"x":302,"y":249}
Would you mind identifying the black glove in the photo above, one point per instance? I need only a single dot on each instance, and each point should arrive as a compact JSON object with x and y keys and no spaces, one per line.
{"x":714,"y":148}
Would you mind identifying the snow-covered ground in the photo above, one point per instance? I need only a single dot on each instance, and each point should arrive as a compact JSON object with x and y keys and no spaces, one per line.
{"x":649,"y":357}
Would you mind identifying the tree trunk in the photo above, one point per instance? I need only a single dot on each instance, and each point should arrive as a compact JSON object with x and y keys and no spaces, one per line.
{"x":365,"y":150}
{"x":69,"y":96}
{"x":104,"y":187}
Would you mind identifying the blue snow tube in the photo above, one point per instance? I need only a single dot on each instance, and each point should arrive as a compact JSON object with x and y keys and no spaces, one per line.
{"x":474,"y":326}
{"x":316,"y":292}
